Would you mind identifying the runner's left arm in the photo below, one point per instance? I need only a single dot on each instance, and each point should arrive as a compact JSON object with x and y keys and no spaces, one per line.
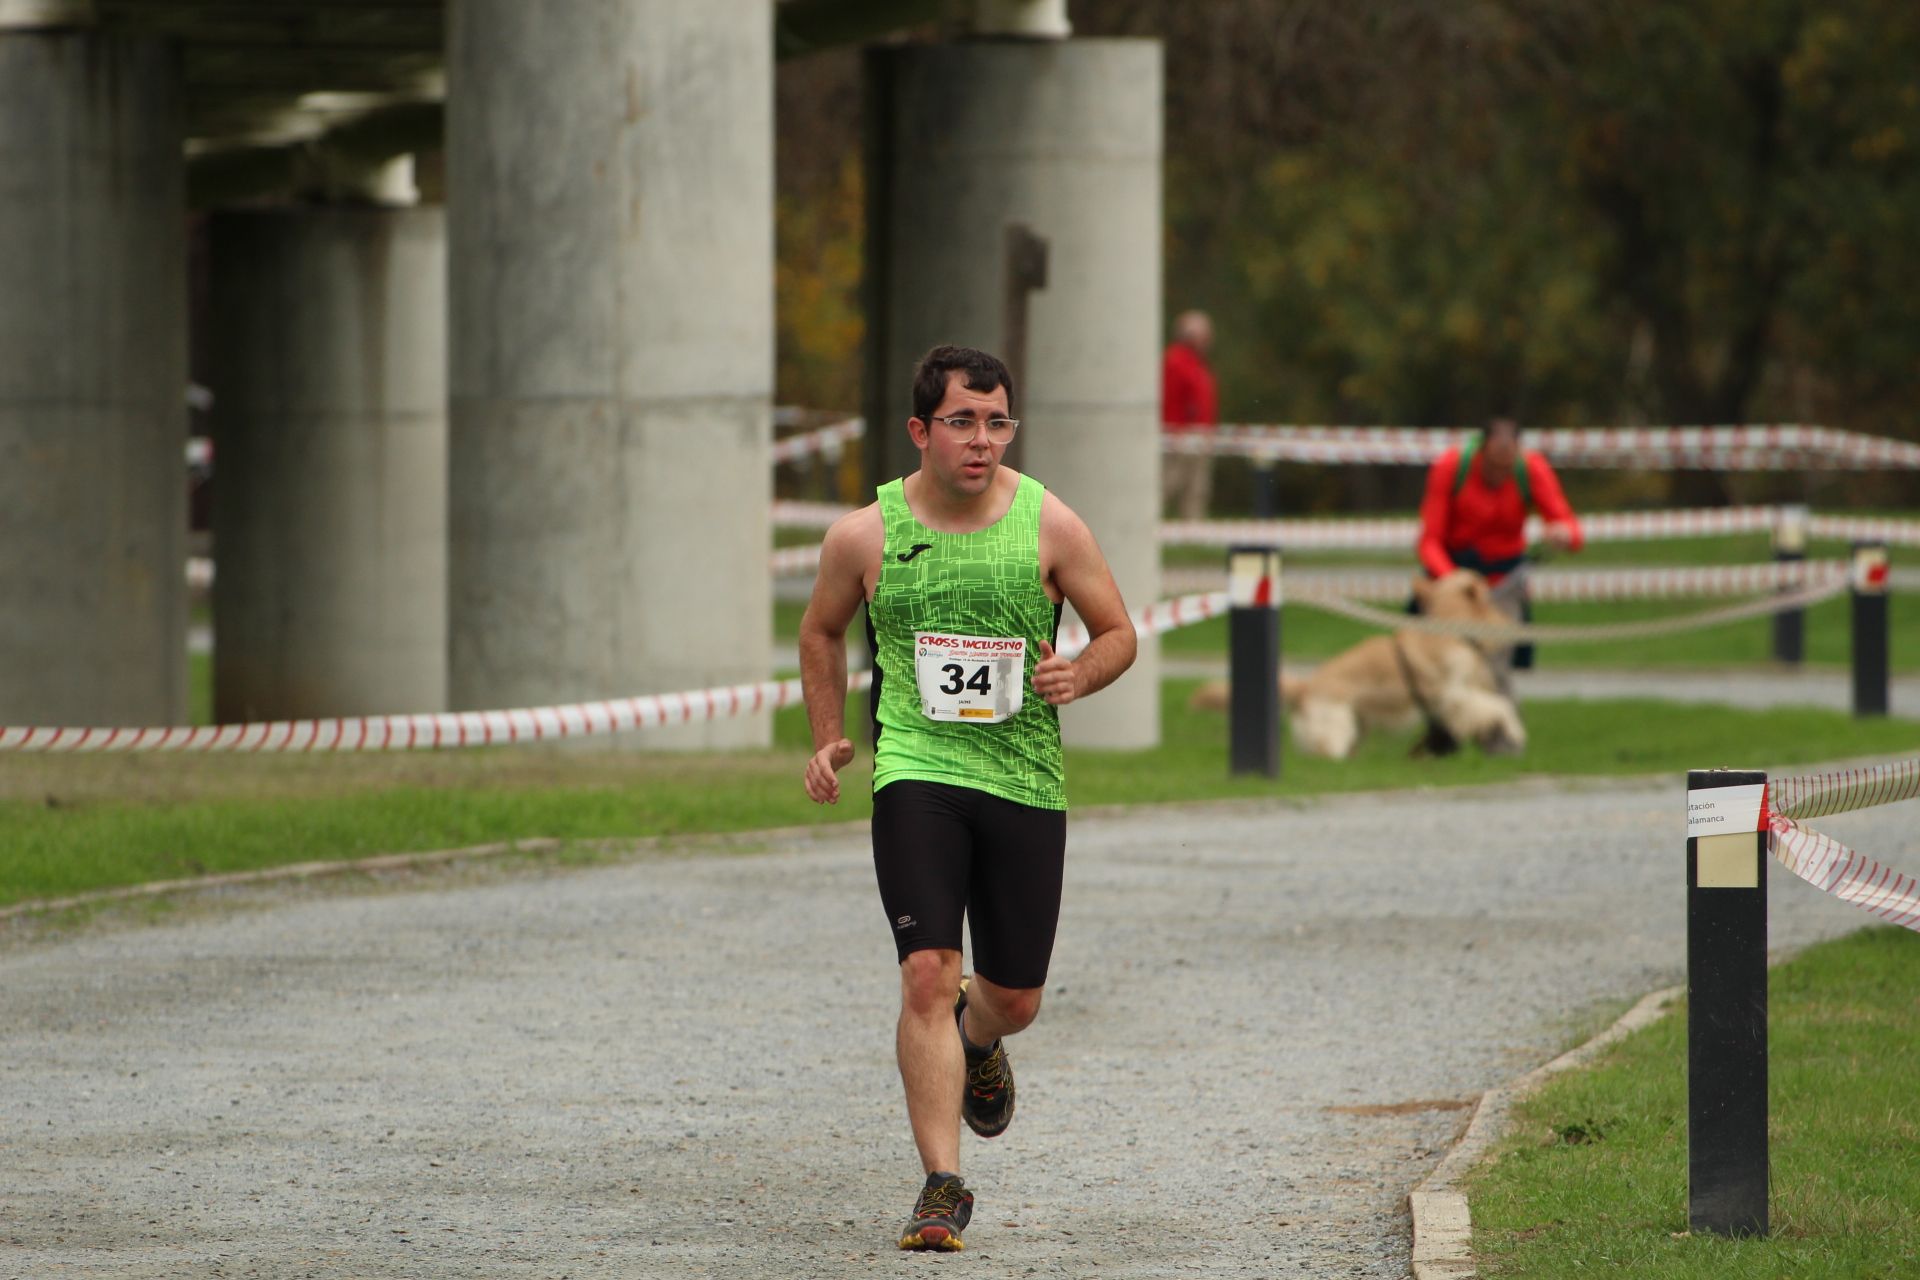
{"x":1080,"y":571}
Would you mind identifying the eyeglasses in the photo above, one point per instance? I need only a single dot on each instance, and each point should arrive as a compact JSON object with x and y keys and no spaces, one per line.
{"x":999,"y":430}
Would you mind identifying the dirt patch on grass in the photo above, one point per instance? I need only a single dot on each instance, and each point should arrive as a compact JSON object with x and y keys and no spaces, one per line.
{"x":1413,"y":1107}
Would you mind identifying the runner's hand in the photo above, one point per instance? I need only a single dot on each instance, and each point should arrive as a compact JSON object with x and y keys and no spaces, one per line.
{"x":823,"y":771}
{"x":1053,"y":677}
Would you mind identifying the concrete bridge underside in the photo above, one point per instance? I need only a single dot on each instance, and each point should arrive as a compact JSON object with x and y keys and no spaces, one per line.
{"x":511,"y":451}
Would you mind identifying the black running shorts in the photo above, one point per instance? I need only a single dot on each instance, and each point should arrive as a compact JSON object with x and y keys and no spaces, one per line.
{"x":942,"y":852}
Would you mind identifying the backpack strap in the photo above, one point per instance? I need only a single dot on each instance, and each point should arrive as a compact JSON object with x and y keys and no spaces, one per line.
{"x":1521,"y":472}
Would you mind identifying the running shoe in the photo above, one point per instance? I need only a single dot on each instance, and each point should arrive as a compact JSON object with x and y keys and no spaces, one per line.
{"x":987,"y":1104}
{"x":939,"y":1215}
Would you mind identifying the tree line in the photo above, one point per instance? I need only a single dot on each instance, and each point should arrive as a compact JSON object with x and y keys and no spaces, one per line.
{"x":1669,"y":211}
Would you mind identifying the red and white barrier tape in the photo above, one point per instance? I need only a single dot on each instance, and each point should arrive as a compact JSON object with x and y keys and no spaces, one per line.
{"x":1729,"y":448}
{"x":423,"y":731}
{"x":796,"y":562}
{"x":1894,"y":532}
{"x":1711,"y":448}
{"x":1165,"y":615}
{"x":1402,"y":532}
{"x":1823,"y":861}
{"x":807,"y":515}
{"x":525,"y":724}
{"x":826,"y":440}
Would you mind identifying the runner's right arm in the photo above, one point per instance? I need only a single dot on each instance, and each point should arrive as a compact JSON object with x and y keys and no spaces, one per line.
{"x":850,"y":553}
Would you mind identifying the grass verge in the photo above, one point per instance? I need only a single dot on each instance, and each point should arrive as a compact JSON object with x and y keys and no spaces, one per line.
{"x":1593,"y":1178}
{"x":69,"y":824}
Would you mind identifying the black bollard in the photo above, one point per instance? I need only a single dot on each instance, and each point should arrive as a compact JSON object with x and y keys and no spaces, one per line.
{"x":1253,"y":660}
{"x":1266,"y":494}
{"x":1726,"y":1002}
{"x":1790,"y":625}
{"x":1870,"y":627}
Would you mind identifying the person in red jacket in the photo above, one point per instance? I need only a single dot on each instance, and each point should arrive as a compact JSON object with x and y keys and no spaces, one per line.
{"x":1474,"y":515}
{"x":1189,"y":402}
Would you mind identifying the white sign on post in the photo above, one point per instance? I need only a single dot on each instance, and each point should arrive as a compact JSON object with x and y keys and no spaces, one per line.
{"x":1718,"y":811}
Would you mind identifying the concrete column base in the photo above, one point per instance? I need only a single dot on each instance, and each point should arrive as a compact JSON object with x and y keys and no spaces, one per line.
{"x":330,"y":429}
{"x":93,"y":373}
{"x":610,"y":171}
{"x":597,"y":591}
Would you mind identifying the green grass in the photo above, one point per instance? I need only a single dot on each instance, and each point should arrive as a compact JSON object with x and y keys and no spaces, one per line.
{"x":1593,"y":1179}
{"x":73,"y":823}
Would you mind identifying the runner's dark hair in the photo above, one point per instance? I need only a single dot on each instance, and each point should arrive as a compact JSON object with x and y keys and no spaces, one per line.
{"x":983,"y":372}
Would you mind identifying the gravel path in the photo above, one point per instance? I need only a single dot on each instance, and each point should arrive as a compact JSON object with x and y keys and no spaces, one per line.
{"x":680,"y":1064}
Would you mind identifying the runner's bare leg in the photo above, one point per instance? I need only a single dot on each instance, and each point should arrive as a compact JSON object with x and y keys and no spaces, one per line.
{"x":931,"y":1064}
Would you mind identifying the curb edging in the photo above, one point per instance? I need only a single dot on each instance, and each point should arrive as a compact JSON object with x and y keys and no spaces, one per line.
{"x":1442,"y":1227}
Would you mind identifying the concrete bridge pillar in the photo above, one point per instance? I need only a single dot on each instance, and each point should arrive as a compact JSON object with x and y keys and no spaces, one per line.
{"x":93,"y":373}
{"x":1064,"y":136}
{"x":610,"y":192}
{"x":328,"y":338}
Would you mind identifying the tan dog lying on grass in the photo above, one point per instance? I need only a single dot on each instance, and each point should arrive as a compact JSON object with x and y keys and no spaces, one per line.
{"x":1395,"y":682}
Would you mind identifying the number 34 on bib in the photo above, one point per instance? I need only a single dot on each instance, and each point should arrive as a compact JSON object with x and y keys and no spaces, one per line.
{"x":971,"y":679}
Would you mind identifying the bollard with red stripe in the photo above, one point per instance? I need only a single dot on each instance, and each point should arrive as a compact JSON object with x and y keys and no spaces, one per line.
{"x":1253,"y":660}
{"x":1727,"y":1001}
{"x":1870,"y":629}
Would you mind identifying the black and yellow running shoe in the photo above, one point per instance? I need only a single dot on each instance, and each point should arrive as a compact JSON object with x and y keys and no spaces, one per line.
{"x":987,"y":1104}
{"x":940,"y":1214}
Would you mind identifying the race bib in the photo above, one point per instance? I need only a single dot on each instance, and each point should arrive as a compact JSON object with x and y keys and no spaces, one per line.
{"x":972,"y":679}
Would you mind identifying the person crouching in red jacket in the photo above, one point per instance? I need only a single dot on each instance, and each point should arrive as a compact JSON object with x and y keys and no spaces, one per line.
{"x":1474,"y":515}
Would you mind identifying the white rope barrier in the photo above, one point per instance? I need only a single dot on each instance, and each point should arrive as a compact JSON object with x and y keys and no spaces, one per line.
{"x":1559,"y":586}
{"x":427,"y":732}
{"x":1516,"y":633}
{"x":1823,"y":861}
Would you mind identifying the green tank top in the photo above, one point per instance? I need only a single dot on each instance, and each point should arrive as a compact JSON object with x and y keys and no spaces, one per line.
{"x":981,"y":584}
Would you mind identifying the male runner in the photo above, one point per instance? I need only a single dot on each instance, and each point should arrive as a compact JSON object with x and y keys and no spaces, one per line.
{"x":963,"y":566}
